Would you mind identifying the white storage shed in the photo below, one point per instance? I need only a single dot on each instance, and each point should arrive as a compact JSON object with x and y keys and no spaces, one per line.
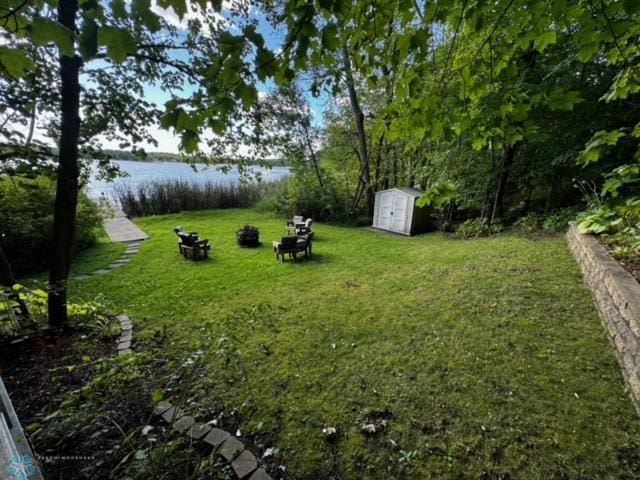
{"x":395,"y":210}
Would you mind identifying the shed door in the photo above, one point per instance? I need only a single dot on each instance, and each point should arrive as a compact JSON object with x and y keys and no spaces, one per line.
{"x":384,"y":210}
{"x":399,"y":213}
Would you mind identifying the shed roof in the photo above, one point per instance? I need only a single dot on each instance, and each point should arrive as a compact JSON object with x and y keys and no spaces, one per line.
{"x":414,"y":192}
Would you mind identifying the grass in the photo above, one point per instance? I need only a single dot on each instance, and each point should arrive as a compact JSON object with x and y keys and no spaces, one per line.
{"x":97,"y":256}
{"x":487,"y":355}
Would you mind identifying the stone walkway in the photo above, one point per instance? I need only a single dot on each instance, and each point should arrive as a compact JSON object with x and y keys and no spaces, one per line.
{"x":125,"y":258}
{"x":121,"y":229}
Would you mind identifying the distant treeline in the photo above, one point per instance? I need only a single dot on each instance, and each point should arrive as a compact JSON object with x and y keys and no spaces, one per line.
{"x":175,"y":157}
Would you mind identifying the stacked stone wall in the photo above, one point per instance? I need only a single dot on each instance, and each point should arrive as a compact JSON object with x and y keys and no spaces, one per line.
{"x":617,"y":295}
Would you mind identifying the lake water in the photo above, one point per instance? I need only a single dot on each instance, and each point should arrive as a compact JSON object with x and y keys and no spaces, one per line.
{"x":141,"y":172}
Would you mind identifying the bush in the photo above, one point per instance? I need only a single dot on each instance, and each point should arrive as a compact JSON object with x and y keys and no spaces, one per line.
{"x":478,"y":227}
{"x":26,"y":222}
{"x":301,"y":195}
{"x":172,"y":196}
{"x":559,"y":221}
{"x":529,"y":223}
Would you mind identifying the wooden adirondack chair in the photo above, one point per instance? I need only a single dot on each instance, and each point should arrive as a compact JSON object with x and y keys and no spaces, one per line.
{"x":292,"y":246}
{"x":190,"y":246}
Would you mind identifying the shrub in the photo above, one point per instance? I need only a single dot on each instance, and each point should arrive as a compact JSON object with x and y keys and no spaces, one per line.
{"x":529,"y":223}
{"x":26,"y":222}
{"x":92,"y":317}
{"x":478,"y":227}
{"x":172,"y":196}
{"x":559,"y":221}
{"x":302,"y":195}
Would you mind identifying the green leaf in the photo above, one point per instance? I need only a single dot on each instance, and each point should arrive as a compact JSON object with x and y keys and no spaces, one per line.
{"x":266,"y":63}
{"x":561,"y":100}
{"x":45,"y":31}
{"x":178,"y":6}
{"x":141,"y":10}
{"x":478,"y":144}
{"x":247,"y":94}
{"x":254,"y":37}
{"x":189,"y":141}
{"x":157,"y":396}
{"x":120,"y":43}
{"x":32,"y":427}
{"x":543,"y":41}
{"x":330,"y":40}
{"x":119,"y":9}
{"x":187,"y":121}
{"x":588,"y":51}
{"x":15,"y":61}
{"x":88,"y":41}
{"x":600,"y":139}
{"x":170,"y":118}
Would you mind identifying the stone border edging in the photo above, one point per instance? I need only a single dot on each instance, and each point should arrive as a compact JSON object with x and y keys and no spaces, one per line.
{"x":243,"y":462}
{"x":617,"y":295}
{"x":127,"y":255}
{"x":126,"y":335}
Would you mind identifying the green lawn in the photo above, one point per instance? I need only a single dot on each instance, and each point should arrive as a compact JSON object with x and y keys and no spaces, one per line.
{"x":487,"y":356}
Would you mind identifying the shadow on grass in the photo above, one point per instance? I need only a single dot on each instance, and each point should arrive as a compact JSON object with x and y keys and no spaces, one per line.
{"x":313,"y":259}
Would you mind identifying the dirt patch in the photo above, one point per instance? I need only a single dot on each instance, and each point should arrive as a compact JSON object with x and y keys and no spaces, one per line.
{"x":41,"y":373}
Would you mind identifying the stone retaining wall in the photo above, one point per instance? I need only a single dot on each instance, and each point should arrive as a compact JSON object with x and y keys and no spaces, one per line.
{"x":617,"y":296}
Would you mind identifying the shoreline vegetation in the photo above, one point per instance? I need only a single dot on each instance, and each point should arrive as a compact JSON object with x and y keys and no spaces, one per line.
{"x":159,"y":197}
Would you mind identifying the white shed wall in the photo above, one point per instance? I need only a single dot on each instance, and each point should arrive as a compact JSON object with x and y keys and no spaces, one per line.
{"x":393,"y":211}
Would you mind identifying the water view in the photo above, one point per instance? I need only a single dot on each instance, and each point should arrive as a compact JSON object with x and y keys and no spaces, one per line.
{"x":141,"y":172}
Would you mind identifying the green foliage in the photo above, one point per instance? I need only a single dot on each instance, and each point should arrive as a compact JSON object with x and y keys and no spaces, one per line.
{"x":529,"y":223}
{"x":559,"y":221}
{"x":26,"y":221}
{"x":478,"y":227}
{"x":600,"y":220}
{"x":94,"y":317}
{"x":11,"y":321}
{"x":301,"y":195}
{"x":611,"y":217}
{"x":170,"y":196}
{"x":438,"y":195}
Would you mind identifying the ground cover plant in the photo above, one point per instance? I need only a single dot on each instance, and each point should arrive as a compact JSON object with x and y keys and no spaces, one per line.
{"x":480,"y":358}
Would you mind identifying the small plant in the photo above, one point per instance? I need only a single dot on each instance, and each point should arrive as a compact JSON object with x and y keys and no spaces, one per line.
{"x":598,"y":221}
{"x":248,"y":236}
{"x":559,"y":221}
{"x":529,"y":223}
{"x":478,"y":227}
{"x":406,"y":457}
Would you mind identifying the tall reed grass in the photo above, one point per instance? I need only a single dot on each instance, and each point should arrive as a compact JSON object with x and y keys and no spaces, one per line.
{"x":171,"y":196}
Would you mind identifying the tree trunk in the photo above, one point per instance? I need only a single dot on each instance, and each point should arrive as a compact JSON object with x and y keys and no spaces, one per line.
{"x":312,"y":154}
{"x":552,"y":191}
{"x":8,"y":280}
{"x":362,"y":139}
{"x":64,"y":216}
{"x":507,"y":163}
